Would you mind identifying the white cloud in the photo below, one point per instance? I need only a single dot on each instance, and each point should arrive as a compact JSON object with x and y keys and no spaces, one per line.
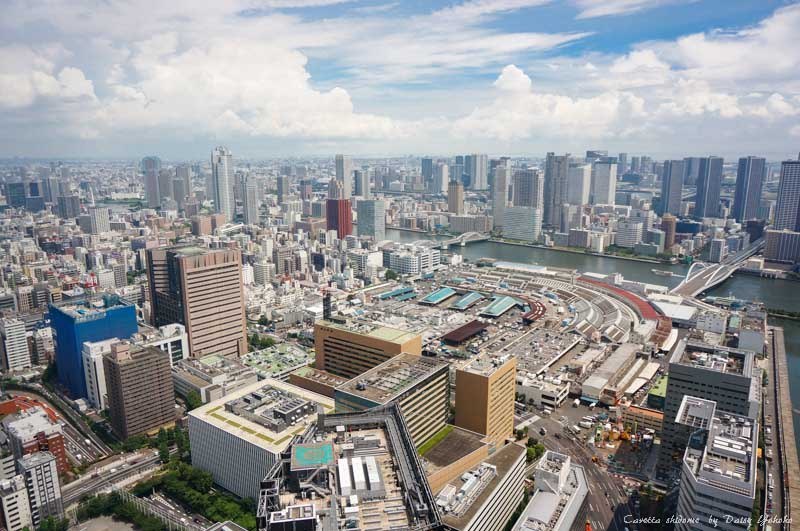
{"x":604,"y":8}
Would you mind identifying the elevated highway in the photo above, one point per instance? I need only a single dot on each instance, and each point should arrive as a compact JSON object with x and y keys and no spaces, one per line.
{"x":703,"y":276}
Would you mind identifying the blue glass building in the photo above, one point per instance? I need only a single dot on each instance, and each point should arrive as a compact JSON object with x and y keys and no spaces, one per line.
{"x":75,"y":322}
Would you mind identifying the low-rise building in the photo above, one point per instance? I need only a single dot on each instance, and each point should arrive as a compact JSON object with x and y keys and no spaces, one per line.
{"x":543,"y":393}
{"x":211,"y":377}
{"x":638,"y":419}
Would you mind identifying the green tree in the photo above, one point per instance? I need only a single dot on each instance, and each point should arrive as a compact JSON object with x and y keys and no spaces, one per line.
{"x":54,"y":524}
{"x":263,"y":320}
{"x":193,"y":400}
{"x":391,"y":274}
{"x":163,"y":451}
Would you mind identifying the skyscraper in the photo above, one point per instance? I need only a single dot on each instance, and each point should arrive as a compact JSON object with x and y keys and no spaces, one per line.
{"x":691,"y":170}
{"x":426,"y":169}
{"x":151,"y":167}
{"x":183,"y":190}
{"x":372,"y":218}
{"x":669,"y":225}
{"x":579,"y":181}
{"x":283,"y":188}
{"x":749,"y":183}
{"x":455,"y":197}
{"x":555,"y":187}
{"x":362,"y":182}
{"x":441,"y":177}
{"x":344,"y":174}
{"x":500,"y":194}
{"x":709,"y":180}
{"x":141,"y":396}
{"x":69,"y":206}
{"x":250,"y":202}
{"x":202,"y":290}
{"x":44,"y":489}
{"x":787,"y":209}
{"x":222,"y":182}
{"x":485,"y":398}
{"x":339,"y":216}
{"x":528,"y":188}
{"x":604,"y":182}
{"x":478,"y":169}
{"x":671,"y":187}
{"x":14,"y":345}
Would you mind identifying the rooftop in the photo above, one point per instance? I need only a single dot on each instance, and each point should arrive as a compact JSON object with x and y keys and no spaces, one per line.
{"x":384,"y":333}
{"x":384,"y":382}
{"x":267,"y":413}
{"x":88,"y":308}
{"x":486,"y":366}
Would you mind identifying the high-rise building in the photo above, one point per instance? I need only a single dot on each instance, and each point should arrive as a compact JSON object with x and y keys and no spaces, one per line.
{"x":485,"y":394}
{"x":500,"y":194}
{"x":151,"y":168}
{"x":717,"y":250}
{"x":372,"y":218}
{"x":44,"y":490}
{"x":671,"y":188}
{"x":250,"y":202}
{"x":579,"y":182}
{"x":362,"y":182}
{"x":749,"y":183}
{"x":75,"y":322}
{"x":787,"y":209}
{"x":14,"y":345}
{"x":350,"y":349}
{"x":283,"y":188}
{"x":339,"y":216}
{"x":15,"y":511}
{"x":555,"y":187}
{"x":15,"y":195}
{"x":202,"y":290}
{"x":709,"y":180}
{"x":702,"y":371}
{"x":718,"y":467}
{"x":94,"y":371}
{"x":691,"y":170}
{"x":522,"y":223}
{"x":33,"y":431}
{"x":223,"y":183}
{"x":669,"y":225}
{"x":604,"y":182}
{"x":441,"y":177}
{"x":528,"y":188}
{"x":98,"y":220}
{"x":455,"y":198}
{"x":165,"y":188}
{"x":478,"y":170}
{"x":141,"y":396}
{"x":426,"y":169}
{"x":629,"y":233}
{"x":69,"y":206}
{"x":622,"y":163}
{"x":782,"y":246}
{"x":182,"y":184}
{"x":344,"y":174}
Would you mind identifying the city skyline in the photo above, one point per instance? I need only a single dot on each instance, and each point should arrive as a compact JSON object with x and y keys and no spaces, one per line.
{"x":490,"y":76}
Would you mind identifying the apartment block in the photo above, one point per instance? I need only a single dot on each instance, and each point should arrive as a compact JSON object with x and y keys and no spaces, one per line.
{"x":485,"y":394}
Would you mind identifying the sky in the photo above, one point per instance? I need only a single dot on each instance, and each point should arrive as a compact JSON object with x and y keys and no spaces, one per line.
{"x":276,"y":78}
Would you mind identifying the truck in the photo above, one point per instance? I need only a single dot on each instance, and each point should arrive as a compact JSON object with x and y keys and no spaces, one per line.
{"x":585,"y":424}
{"x":575,"y":429}
{"x":576,"y":402}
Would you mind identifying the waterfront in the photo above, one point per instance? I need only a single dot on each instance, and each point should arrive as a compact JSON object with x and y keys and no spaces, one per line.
{"x":774,"y":293}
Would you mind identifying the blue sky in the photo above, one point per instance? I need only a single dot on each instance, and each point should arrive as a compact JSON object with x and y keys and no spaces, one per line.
{"x":381,"y":77}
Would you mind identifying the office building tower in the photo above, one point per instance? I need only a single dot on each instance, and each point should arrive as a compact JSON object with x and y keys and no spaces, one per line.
{"x":77,"y":321}
{"x":283,"y":188}
{"x":418,"y":384}
{"x":717,"y":250}
{"x":671,"y":188}
{"x":478,"y":171}
{"x":350,"y":349}
{"x":528,"y":188}
{"x":604,"y":182}
{"x":32,"y":431}
{"x":362,"y":182}
{"x":787,"y":208}
{"x":522,"y":223}
{"x":691,"y":170}
{"x":579,"y":181}
{"x":500,"y":194}
{"x":14,"y":345}
{"x":94,"y":371}
{"x":455,"y":198}
{"x":306,"y":190}
{"x":151,"y":168}
{"x":782,"y":246}
{"x":709,"y":181}
{"x":629,"y":233}
{"x":750,"y":178}
{"x":15,"y":511}
{"x":202,"y":290}
{"x":372,"y":218}
{"x":718,"y":468}
{"x":555,"y":187}
{"x":141,"y":396}
{"x":426,"y":169}
{"x":98,"y":220}
{"x":441,"y":177}
{"x":622,"y":164}
{"x":51,"y":188}
{"x":485,"y":394}
{"x":15,"y":195}
{"x":728,"y":377}
{"x":339,"y":217}
{"x":344,"y":174}
{"x":222,"y":182}
{"x":250,"y":202}
{"x":182,"y":184}
{"x":44,"y":490}
{"x":69,"y":206}
{"x":165,"y":189}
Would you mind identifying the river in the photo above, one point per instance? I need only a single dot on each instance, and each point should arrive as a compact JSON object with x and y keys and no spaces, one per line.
{"x":782,"y":294}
